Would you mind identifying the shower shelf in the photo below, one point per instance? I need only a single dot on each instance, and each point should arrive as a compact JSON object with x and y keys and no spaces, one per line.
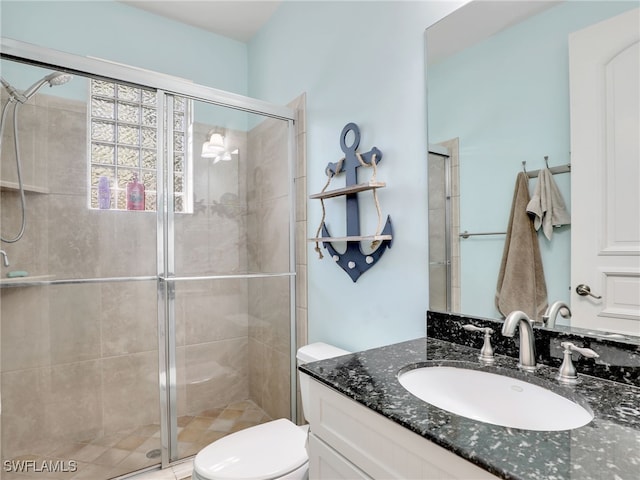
{"x":358,"y":238}
{"x":360,"y":187}
{"x":350,"y":189}
{"x":32,"y":281}
{"x":13,"y":186}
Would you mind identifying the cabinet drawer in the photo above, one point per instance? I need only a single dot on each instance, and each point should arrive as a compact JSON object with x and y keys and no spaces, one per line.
{"x":327,"y":464}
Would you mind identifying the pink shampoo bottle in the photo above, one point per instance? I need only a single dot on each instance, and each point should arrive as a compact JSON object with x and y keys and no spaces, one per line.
{"x":135,"y":195}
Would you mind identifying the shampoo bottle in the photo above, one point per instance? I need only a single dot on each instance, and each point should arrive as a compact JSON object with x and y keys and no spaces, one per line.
{"x":104,"y":193}
{"x":135,"y":195}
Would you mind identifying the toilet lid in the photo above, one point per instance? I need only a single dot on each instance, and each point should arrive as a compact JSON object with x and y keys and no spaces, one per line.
{"x":266,"y":451}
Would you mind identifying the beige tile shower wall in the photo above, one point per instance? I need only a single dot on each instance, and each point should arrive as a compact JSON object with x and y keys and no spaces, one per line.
{"x":211,"y":316}
{"x":213,"y":239}
{"x":80,"y":361}
{"x":32,"y":129}
{"x":437,"y":227}
{"x":454,"y":160}
{"x":98,"y":342}
{"x":453,"y":146}
{"x":437,"y":233}
{"x":269,"y":365}
{"x":108,"y":243}
{"x":299,"y":105}
{"x":212,"y":344}
{"x":268,"y":250}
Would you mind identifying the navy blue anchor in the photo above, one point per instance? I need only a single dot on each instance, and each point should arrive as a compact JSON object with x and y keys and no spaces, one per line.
{"x":354,"y":261}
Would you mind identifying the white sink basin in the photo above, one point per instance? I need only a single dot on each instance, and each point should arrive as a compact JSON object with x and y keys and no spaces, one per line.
{"x":495,"y":399}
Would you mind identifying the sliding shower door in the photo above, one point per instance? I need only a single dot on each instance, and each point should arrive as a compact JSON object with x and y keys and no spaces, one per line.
{"x":229,"y":277}
{"x":78,"y":299}
{"x":147,"y":309}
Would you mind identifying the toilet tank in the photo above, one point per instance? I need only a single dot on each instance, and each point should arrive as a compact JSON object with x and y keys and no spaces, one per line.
{"x":318,"y":351}
{"x":312,"y":353}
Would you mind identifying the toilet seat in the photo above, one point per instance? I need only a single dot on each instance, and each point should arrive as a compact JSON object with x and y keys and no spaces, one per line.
{"x":267,"y":451}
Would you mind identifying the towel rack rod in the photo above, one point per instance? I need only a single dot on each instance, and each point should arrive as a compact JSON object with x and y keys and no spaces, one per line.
{"x":466,"y":234}
{"x":554,"y":170}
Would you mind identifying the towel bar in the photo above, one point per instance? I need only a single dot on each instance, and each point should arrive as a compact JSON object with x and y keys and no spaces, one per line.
{"x":466,"y":234}
{"x":554,"y":170}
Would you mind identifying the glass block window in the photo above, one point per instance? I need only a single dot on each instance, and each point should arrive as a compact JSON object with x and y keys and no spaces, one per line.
{"x":123,"y":126}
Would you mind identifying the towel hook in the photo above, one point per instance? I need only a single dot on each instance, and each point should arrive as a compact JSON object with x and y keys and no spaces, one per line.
{"x":546,"y":160}
{"x":524,"y":166}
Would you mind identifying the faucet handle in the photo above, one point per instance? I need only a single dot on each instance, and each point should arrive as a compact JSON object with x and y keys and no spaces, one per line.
{"x":585,"y":352}
{"x":567,"y":373}
{"x":473,"y":328}
{"x":486,"y":352}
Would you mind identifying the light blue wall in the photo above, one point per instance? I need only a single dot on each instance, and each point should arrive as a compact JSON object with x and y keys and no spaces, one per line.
{"x":359,"y":62}
{"x":117,"y":32}
{"x":507,"y":99}
{"x":120,"y":33}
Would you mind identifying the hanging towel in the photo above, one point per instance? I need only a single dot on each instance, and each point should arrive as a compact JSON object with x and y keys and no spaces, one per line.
{"x":521,"y":284}
{"x":547,"y":205}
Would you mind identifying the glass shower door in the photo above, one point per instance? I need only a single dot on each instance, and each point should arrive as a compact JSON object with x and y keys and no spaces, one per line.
{"x":229,"y":276}
{"x":136,"y":331}
{"x":79,"y":348}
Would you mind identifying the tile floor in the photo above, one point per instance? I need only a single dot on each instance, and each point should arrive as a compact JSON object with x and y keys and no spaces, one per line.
{"x":115,"y":455}
{"x":181,"y":471}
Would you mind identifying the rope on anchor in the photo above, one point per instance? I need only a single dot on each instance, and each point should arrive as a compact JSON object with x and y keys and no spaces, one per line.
{"x":324,"y":211}
{"x":374,"y":165}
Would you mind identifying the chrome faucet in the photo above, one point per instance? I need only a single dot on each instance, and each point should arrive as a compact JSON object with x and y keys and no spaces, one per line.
{"x":527,"y":344}
{"x":5,"y":258}
{"x":549,"y":317}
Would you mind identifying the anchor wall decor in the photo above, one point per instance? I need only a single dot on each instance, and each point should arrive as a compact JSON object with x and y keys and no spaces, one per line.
{"x":353,"y":260}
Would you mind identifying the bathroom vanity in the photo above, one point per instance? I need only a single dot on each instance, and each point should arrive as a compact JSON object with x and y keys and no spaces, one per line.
{"x":364,"y":424}
{"x":350,"y":441}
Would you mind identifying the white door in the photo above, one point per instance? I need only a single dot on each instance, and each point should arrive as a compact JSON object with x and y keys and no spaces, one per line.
{"x":605,"y":171}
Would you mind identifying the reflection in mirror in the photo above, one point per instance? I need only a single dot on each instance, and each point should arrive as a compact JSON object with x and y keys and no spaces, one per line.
{"x":502,"y":98}
{"x":444,"y":226}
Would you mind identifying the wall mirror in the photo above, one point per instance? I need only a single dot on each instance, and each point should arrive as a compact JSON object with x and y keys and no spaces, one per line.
{"x":499,"y":94}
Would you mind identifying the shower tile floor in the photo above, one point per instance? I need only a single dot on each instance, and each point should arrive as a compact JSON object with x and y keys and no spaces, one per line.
{"x":115,"y":455}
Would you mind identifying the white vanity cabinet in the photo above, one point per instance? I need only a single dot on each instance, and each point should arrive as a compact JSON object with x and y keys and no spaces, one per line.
{"x":350,"y":441}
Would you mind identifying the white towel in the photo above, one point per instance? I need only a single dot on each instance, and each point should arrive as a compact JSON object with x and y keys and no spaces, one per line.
{"x":547,"y":205}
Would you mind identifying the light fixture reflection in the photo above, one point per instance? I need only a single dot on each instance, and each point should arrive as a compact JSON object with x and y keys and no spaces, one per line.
{"x":214,"y":148}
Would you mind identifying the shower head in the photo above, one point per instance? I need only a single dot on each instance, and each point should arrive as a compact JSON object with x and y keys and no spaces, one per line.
{"x":58,"y":78}
{"x":53,"y":79}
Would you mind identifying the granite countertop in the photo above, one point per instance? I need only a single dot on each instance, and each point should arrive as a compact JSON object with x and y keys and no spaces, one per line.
{"x":606,"y":448}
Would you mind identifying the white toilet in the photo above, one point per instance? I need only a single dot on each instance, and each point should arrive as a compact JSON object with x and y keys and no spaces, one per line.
{"x":271,"y":451}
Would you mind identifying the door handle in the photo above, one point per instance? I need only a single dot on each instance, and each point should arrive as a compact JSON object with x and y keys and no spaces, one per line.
{"x":584,"y":290}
